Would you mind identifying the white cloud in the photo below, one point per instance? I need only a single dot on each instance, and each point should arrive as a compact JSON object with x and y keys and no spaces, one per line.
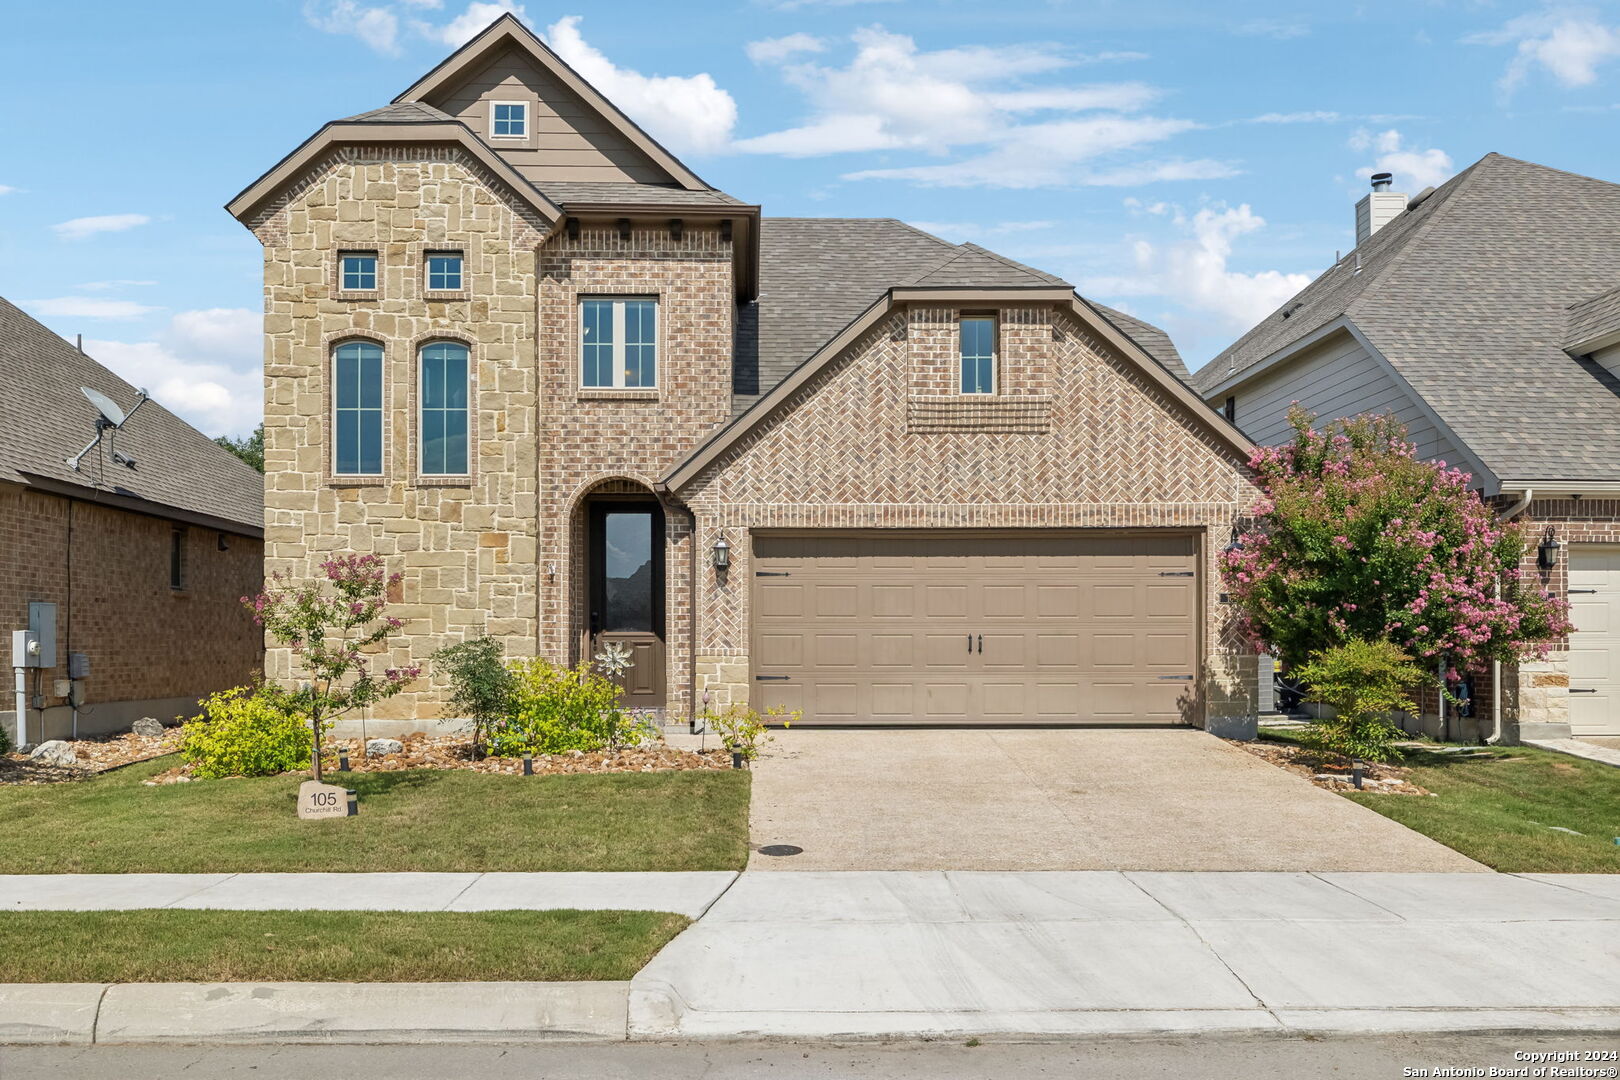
{"x":1568,"y":44}
{"x":6,"y":189}
{"x":79,"y":228}
{"x":795,"y":5}
{"x":960,"y":231}
{"x":470,"y":23}
{"x":1414,"y":169}
{"x":1313,"y":117}
{"x":687,"y":112}
{"x":87,"y":307}
{"x":1193,"y":270}
{"x":206,"y":367}
{"x":893,"y":96}
{"x":116,"y":283}
{"x":378,"y":27}
{"x":774,"y":50}
{"x":1277,"y":29}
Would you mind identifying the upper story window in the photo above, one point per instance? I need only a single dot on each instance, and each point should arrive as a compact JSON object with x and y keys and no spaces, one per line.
{"x":357,"y":271}
{"x":619,"y":343}
{"x":357,"y":409}
{"x":444,"y":409}
{"x":978,"y":353}
{"x":509,"y":119}
{"x":444,"y":271}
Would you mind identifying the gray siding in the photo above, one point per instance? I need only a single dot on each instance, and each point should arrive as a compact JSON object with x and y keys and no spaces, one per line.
{"x":568,"y":140}
{"x":1337,"y":377}
{"x":1609,"y":358}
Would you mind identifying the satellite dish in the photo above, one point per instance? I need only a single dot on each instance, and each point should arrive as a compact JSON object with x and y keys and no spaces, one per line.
{"x":108,"y":408}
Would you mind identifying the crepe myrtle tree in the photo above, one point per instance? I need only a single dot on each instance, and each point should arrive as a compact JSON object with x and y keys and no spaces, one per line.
{"x":1355,"y":538}
{"x":329,"y":629}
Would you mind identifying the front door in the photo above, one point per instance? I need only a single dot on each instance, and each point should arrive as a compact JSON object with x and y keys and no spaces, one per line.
{"x":627,"y":593}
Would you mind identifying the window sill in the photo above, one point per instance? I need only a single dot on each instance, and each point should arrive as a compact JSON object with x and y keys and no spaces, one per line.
{"x":438,"y":296}
{"x":609,"y":393}
{"x":356,"y":481}
{"x":461,"y":480}
{"x":358,"y":295}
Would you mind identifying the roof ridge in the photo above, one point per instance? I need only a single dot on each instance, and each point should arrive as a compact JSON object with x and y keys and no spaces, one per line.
{"x":1014,"y":263}
{"x":956,"y":253}
{"x":1544,"y":168}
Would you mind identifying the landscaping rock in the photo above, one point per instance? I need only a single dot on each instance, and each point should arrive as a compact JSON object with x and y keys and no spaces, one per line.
{"x":147,"y":726}
{"x":379,"y":747}
{"x":55,"y":752}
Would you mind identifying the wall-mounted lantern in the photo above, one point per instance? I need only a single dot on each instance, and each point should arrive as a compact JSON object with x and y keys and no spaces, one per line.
{"x":1547,"y":552}
{"x":721,"y":556}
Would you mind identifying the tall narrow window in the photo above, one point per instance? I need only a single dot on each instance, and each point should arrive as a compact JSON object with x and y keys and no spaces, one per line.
{"x":357,"y":409}
{"x":978,"y":351}
{"x":359,"y":271}
{"x":444,"y":271}
{"x":444,"y":409}
{"x":509,"y":119}
{"x":619,"y":343}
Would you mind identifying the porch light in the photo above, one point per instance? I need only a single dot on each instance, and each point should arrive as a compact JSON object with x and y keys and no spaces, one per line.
{"x":721,"y":556}
{"x":1547,"y":553}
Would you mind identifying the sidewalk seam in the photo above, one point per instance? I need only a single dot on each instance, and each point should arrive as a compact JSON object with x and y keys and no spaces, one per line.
{"x":1173,"y":913}
{"x":227,"y":879}
{"x":477,"y":877}
{"x":1317,"y":874}
{"x":95,"y":1019}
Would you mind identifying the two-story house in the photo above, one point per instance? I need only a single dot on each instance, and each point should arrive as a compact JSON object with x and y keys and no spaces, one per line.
{"x":1485,"y":314}
{"x":579,"y":396}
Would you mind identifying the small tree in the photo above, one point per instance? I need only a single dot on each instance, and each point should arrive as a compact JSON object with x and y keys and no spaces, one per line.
{"x":1357,"y":539}
{"x":1364,"y":681}
{"x":481,"y":687}
{"x":250,"y":449}
{"x":330,"y":633}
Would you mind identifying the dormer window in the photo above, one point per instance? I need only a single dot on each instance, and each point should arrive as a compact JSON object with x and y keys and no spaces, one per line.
{"x":509,"y":119}
{"x":977,"y":344}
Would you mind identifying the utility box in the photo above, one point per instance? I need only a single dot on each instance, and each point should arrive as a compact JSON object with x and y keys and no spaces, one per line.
{"x":78,"y":665}
{"x":24,"y":649}
{"x":42,"y":621}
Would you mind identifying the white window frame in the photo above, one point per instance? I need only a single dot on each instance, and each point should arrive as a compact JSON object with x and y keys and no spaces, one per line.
{"x":427,"y":270}
{"x":524,"y":105}
{"x":376,"y":269}
{"x":618,"y":303}
{"x":995,"y":355}
{"x":421,"y":408}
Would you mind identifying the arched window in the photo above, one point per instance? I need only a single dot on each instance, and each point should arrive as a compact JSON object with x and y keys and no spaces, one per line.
{"x":357,"y":409}
{"x":444,"y":409}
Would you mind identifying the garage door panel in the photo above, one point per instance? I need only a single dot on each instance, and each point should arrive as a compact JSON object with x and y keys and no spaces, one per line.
{"x":1594,"y":647}
{"x":993,"y":628}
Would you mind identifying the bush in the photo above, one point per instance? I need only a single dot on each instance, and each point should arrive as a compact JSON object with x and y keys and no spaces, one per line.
{"x":481,"y":686}
{"x":742,"y":730}
{"x":556,"y":709}
{"x":1364,"y":681}
{"x":245,"y":731}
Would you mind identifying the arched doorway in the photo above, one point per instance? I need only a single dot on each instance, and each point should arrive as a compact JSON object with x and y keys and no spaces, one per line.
{"x":623,"y":587}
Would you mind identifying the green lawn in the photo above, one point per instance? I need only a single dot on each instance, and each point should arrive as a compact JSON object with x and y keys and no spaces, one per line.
{"x":420,"y":819}
{"x":1497,"y":807}
{"x":330,"y":946}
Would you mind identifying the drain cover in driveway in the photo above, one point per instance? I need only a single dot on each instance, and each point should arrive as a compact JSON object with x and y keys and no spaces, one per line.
{"x":781,"y":849}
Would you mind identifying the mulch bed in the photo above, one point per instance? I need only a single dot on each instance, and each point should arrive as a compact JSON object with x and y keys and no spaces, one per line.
{"x":1334,"y":775}
{"x":95,"y":756}
{"x":455,"y":752}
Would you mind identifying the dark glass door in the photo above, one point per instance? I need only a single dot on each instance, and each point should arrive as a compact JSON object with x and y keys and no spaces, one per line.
{"x":627,"y":592}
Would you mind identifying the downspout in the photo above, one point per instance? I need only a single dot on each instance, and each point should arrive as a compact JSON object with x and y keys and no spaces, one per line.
{"x":1495,"y":737}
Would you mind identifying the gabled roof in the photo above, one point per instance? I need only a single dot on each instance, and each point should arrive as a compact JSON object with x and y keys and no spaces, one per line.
{"x":1467,"y":295}
{"x":509,"y":32}
{"x":1594,"y":324}
{"x":180,"y":473}
{"x":819,"y":274}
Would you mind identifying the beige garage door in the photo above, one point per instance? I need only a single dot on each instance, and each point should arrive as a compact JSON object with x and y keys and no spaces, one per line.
{"x":1594,"y":648}
{"x":944,"y":628}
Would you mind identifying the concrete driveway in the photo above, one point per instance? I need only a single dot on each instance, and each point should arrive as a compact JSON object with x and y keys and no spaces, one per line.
{"x":1077,"y":799}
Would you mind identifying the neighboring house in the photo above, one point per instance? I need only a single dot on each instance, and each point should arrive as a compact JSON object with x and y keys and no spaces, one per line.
{"x":579,"y":397}
{"x":1484,"y":313}
{"x":137,"y":558}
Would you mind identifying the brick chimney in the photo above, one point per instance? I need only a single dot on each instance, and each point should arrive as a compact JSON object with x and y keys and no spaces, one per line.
{"x":1378,"y":208}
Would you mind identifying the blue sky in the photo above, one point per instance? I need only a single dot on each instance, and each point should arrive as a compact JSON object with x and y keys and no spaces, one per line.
{"x":1193,"y":163}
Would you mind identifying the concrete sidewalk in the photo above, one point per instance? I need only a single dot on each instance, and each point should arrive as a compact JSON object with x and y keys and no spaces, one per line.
{"x":1064,"y":953}
{"x":685,"y":893}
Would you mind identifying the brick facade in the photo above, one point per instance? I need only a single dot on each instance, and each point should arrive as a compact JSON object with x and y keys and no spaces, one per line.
{"x":151,"y":647}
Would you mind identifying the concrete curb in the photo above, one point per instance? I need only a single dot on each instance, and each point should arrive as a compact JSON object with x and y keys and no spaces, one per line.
{"x":281,"y":1013}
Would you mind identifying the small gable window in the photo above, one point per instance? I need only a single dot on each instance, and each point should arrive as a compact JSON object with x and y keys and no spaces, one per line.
{"x":619,"y":343}
{"x":977,"y":343}
{"x":358,"y":270}
{"x":444,"y":271}
{"x":357,"y":409}
{"x":509,"y":119}
{"x":444,"y":409}
{"x":1229,"y":410}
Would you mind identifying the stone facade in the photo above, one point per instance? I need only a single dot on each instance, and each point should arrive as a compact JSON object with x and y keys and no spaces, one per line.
{"x":466,"y":545}
{"x":1119,"y":454}
{"x":153,"y":649}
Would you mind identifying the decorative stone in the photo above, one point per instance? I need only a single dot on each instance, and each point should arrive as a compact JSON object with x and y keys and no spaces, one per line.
{"x":147,"y":725}
{"x":318,"y":800}
{"x":379,"y":747}
{"x":55,"y":752}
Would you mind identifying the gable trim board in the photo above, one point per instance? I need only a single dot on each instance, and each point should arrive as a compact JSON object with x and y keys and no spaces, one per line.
{"x":344,"y":133}
{"x":711,"y":450}
{"x":508,"y":31}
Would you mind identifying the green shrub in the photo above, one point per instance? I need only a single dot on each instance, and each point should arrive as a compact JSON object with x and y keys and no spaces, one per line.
{"x":742,"y":730}
{"x":556,"y":709}
{"x":245,"y":731}
{"x":1364,"y":681}
{"x":481,"y":685}
{"x":5,"y":741}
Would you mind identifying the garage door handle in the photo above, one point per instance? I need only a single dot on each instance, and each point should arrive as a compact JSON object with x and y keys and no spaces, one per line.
{"x":981,"y":643}
{"x":1575,"y":690}
{"x":1572,"y":592}
{"x":771,"y":678}
{"x":771,"y":573}
{"x":1178,"y":678}
{"x":1177,"y":573}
